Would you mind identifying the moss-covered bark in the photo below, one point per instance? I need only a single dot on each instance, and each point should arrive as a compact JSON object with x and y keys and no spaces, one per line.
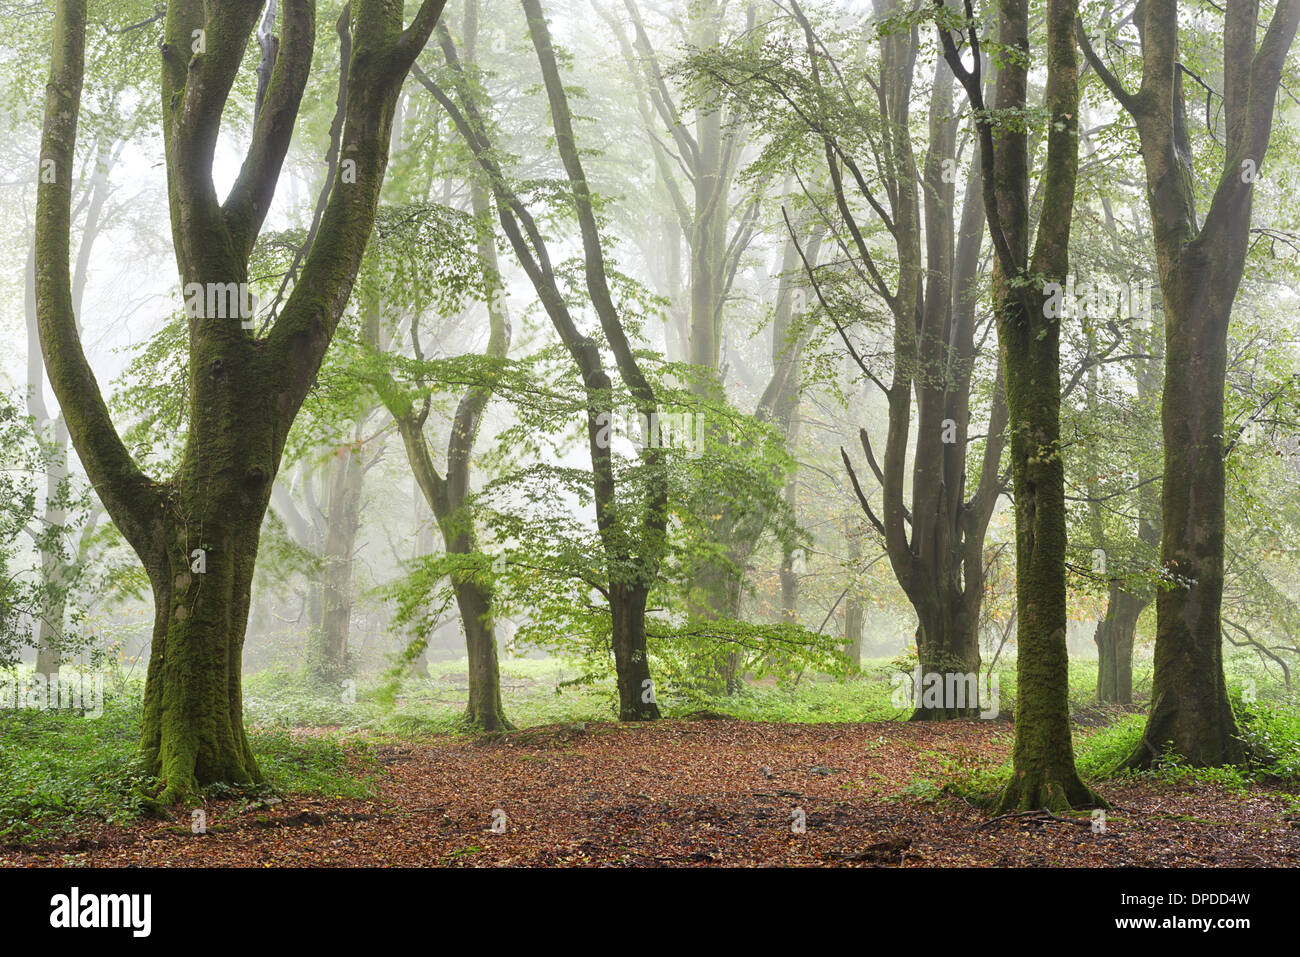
{"x":1043,"y":771}
{"x":1190,"y":711}
{"x":192,"y":731}
{"x":484,"y":710}
{"x":197,"y":533}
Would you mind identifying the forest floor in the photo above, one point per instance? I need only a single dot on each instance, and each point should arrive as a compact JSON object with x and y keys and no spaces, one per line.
{"x":698,"y":793}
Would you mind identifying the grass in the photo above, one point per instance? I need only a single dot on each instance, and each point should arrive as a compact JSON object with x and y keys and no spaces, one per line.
{"x":60,"y":771}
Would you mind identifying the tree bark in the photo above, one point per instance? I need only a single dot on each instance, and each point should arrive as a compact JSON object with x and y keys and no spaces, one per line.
{"x":192,"y":730}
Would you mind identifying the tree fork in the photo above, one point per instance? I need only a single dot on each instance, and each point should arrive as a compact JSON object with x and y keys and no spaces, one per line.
{"x":245,"y":393}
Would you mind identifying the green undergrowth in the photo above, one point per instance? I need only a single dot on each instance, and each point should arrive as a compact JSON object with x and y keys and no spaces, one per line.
{"x":62,"y":772}
{"x":1271,"y":734}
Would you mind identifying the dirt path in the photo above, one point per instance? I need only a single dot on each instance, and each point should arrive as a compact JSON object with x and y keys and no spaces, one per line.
{"x":697,"y":794}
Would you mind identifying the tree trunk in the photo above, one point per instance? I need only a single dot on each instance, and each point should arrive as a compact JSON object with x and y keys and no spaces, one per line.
{"x":329,"y":655}
{"x":423,"y":546}
{"x":948,"y":651}
{"x":853,"y":628}
{"x":47,"y":636}
{"x":474,"y":595}
{"x":1044,"y":774}
{"x":789,"y":590}
{"x":636,"y":691}
{"x":484,"y":710}
{"x":52,"y":432}
{"x":1190,"y":710}
{"x":192,"y":730}
{"x":1043,"y":771}
{"x":1114,"y":637}
{"x":448,"y":497}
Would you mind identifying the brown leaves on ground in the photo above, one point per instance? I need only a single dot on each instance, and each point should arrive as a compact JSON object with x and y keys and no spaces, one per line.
{"x":700,"y":793}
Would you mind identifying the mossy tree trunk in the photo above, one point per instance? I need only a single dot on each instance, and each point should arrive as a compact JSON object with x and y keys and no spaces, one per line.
{"x":1043,"y":771}
{"x":1190,"y":711}
{"x":192,"y":729}
{"x":196,"y":533}
{"x":1200,"y":263}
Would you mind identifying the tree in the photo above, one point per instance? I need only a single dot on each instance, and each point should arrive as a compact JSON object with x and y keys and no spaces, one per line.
{"x":697,"y":161}
{"x":196,"y":533}
{"x":935,"y":540}
{"x":447,"y":494}
{"x":936,"y":546}
{"x":1200,"y":262}
{"x":111,"y":126}
{"x":327,"y":529}
{"x":1043,"y":772}
{"x":633,"y":548}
